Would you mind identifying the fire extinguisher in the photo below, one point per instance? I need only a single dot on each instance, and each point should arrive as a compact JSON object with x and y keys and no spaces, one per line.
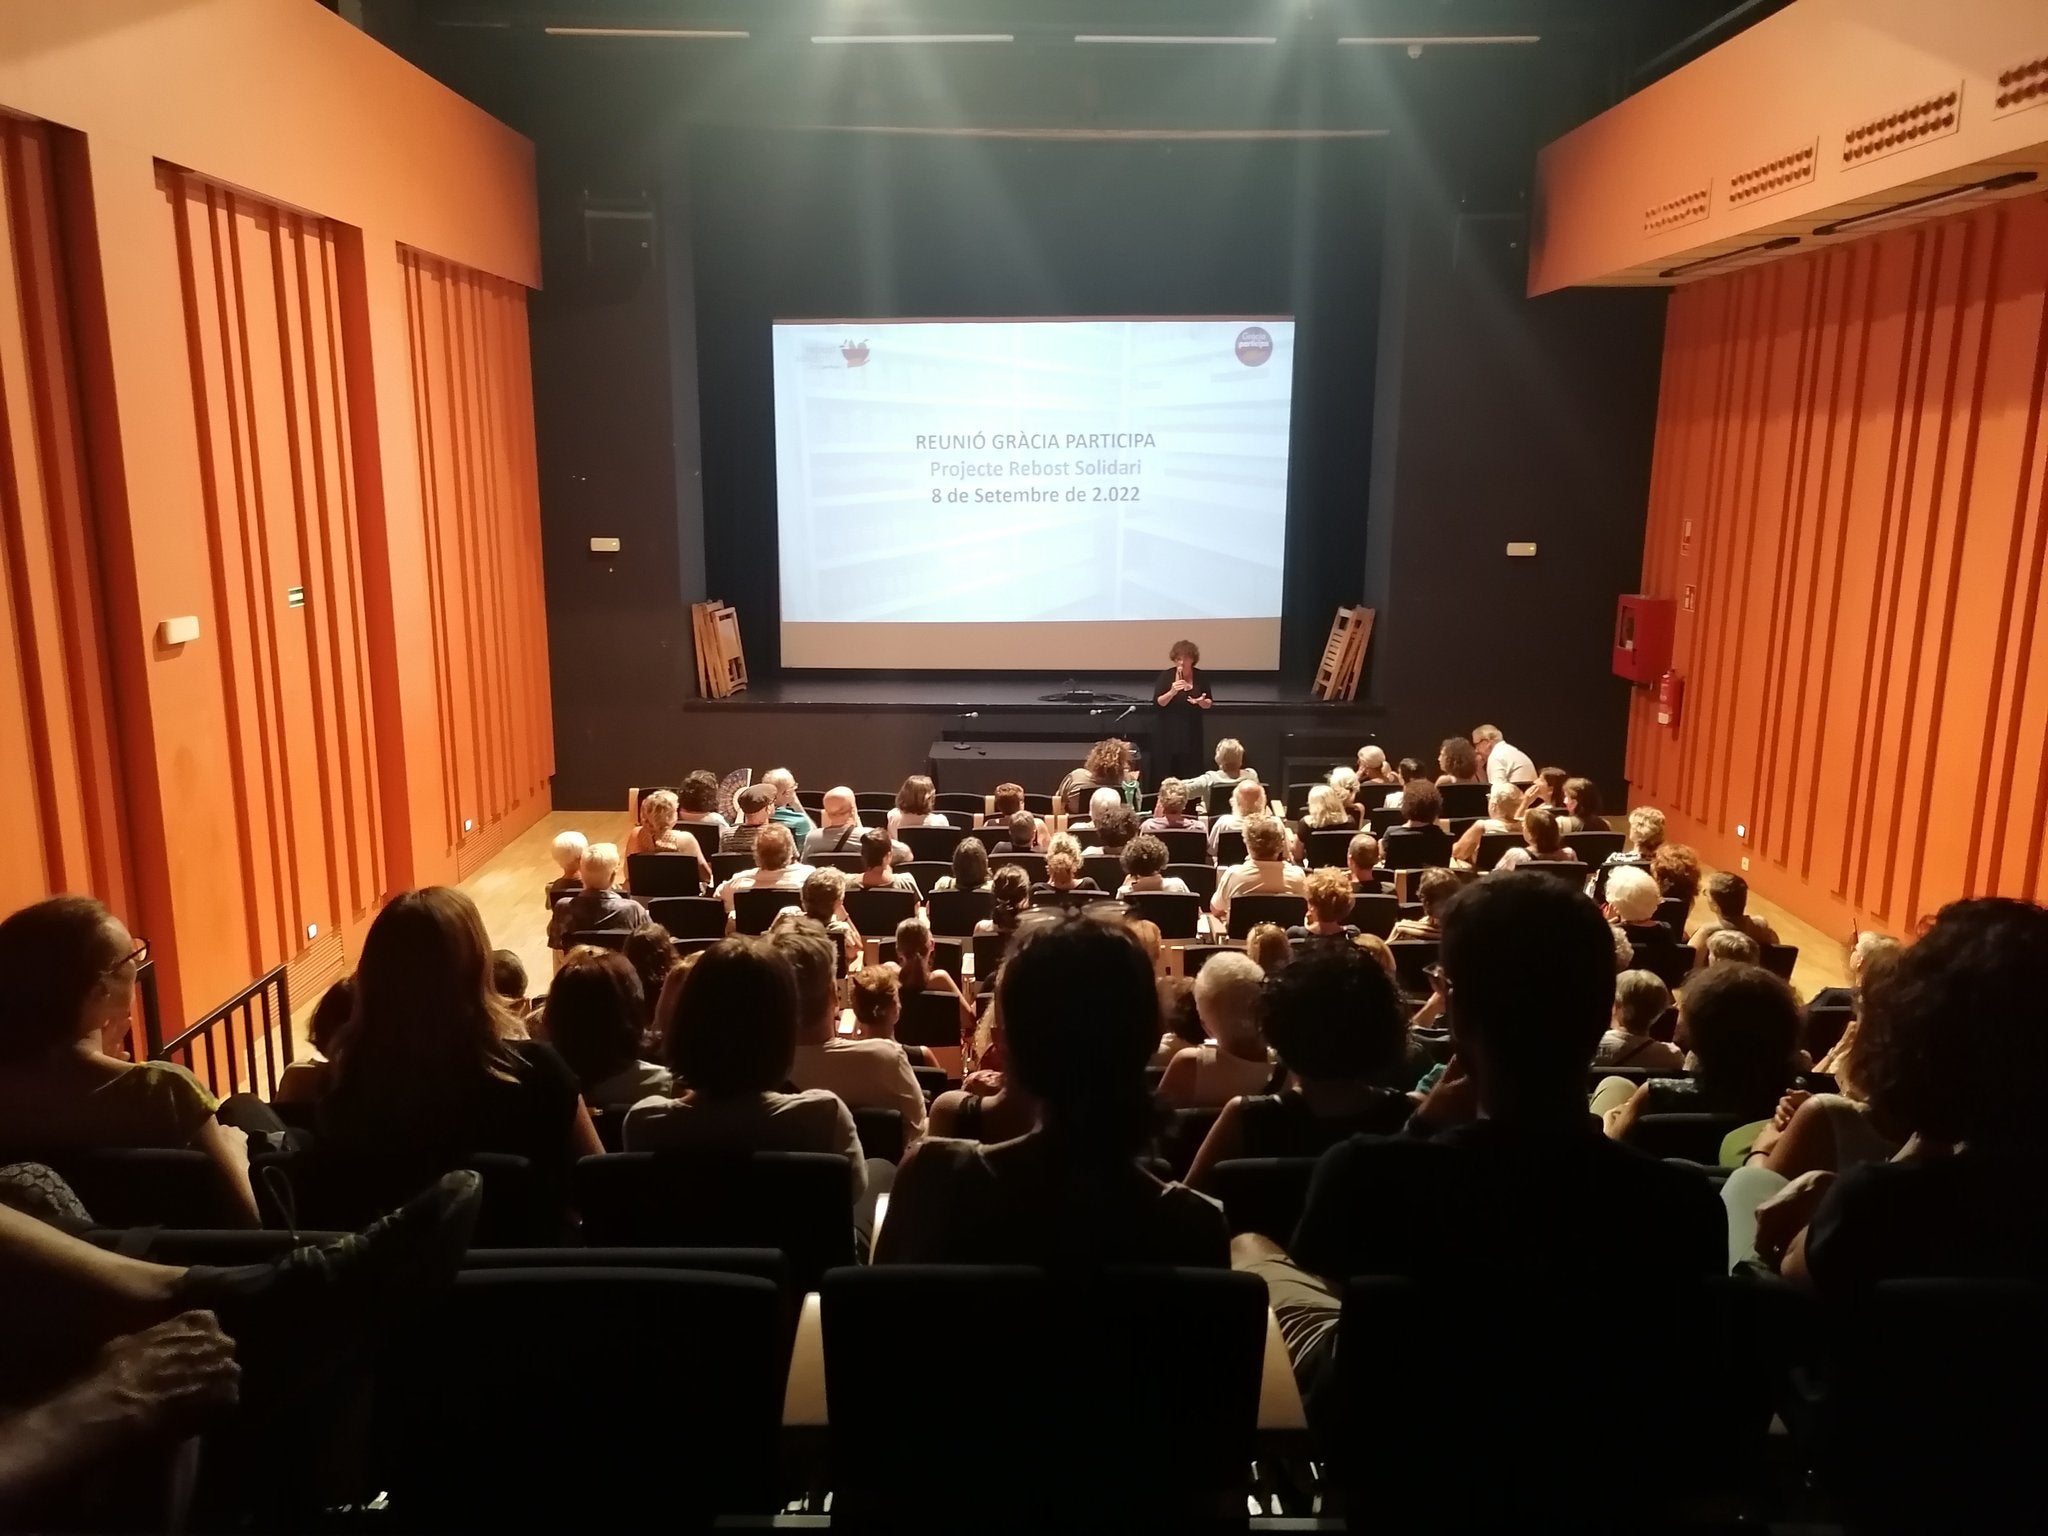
{"x":1670,"y":696}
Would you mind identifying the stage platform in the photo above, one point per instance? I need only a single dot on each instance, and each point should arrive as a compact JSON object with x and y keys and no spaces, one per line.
{"x":961,"y":693}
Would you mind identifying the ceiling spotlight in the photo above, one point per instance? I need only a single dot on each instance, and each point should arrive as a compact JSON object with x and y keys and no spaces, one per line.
{"x":1415,"y":50}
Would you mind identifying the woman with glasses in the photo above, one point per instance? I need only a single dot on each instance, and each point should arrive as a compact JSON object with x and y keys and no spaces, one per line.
{"x":67,"y":986}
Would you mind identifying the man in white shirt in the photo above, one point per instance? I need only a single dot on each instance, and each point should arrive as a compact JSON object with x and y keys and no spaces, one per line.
{"x":775,"y":867}
{"x":1504,"y":764}
{"x":1265,"y":871}
{"x":866,"y":1074}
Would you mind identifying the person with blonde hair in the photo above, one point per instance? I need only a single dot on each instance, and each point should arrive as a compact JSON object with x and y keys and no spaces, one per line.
{"x":1235,"y":1060}
{"x":1503,"y":815}
{"x":1268,"y":947}
{"x":1326,"y":809}
{"x":1330,"y":898}
{"x":1373,"y":767}
{"x":567,"y":850}
{"x":1063,"y":868}
{"x":1246,"y":801}
{"x":600,"y":907}
{"x":1345,"y":782}
{"x":658,"y":832}
{"x":1725,"y":946}
{"x":1265,"y":870}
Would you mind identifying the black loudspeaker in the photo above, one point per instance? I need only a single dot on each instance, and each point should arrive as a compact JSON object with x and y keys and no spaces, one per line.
{"x":619,"y":239}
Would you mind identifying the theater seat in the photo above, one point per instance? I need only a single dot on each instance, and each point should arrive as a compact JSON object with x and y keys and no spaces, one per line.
{"x":140,"y":1186}
{"x":689,"y":917}
{"x":1263,"y":1194}
{"x":1184,"y":845}
{"x":932,"y":844}
{"x":1694,"y":1137}
{"x":877,"y":912}
{"x":1247,"y":912}
{"x":1178,"y":916}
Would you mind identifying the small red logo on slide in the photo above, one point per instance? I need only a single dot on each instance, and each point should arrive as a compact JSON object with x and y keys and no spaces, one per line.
{"x":856,"y":352}
{"x":1254,"y":345}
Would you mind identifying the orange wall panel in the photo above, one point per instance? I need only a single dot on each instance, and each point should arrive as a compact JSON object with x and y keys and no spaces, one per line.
{"x":1851,"y":478}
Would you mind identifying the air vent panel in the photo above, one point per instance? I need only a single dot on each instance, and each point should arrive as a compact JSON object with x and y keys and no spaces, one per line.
{"x":1931,"y":117}
{"x":1794,"y":168}
{"x":1687,"y":208}
{"x":2024,"y":85}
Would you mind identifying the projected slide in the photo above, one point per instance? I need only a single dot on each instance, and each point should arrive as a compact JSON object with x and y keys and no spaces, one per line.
{"x":1031,"y":494}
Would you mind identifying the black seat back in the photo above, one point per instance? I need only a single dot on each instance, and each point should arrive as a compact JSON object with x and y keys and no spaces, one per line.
{"x":1105,"y":869}
{"x":954,"y":913}
{"x":989,"y":949}
{"x":1198,"y":878}
{"x":1595,"y":848}
{"x":1184,"y":845}
{"x":598,"y":938}
{"x":343,"y":1192}
{"x":931,"y":844}
{"x":927,"y":873}
{"x":725,"y":865}
{"x":754,"y":911}
{"x":1176,"y":915}
{"x":140,"y":1186}
{"x":1492,"y":845}
{"x":1229,"y":847}
{"x":1375,"y":912}
{"x":662,"y":874}
{"x":1696,"y":1138}
{"x":1464,"y":799}
{"x":1328,"y":847}
{"x":689,"y":917}
{"x":1415,"y":848}
{"x":880,"y":1132}
{"x":1033,"y":864}
{"x":1173,"y":1441}
{"x":877,"y":912}
{"x":800,"y":1203}
{"x":1247,"y":912}
{"x":1263,"y":1194}
{"x":963,"y":804}
{"x":1412,"y":960}
{"x":1779,"y":959}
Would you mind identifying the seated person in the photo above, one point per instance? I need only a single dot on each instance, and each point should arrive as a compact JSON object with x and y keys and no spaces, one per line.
{"x":916,"y":973}
{"x":1739,"y":1027}
{"x":788,"y":811}
{"x":600,"y":907}
{"x":1103,"y":802}
{"x":1329,"y":896}
{"x":592,"y":1019}
{"x":775,"y":867}
{"x":970,"y":868}
{"x":1374,"y":770}
{"x":1726,"y":945}
{"x":1011,"y":893}
{"x":1063,"y":869}
{"x":1503,"y":815}
{"x":1457,"y":762}
{"x":1542,"y":843}
{"x":1345,"y":783}
{"x":1501,"y":1171}
{"x":730,"y":1023}
{"x":1676,"y":869}
{"x":1171,"y":811}
{"x":1022,"y":834}
{"x":1728,"y":897}
{"x":992,"y":1106}
{"x":1234,"y":1060}
{"x":1362,"y":859}
{"x":1501,"y":762}
{"x":1421,"y":840}
{"x":509,"y":981}
{"x":839,"y":829}
{"x":1864,"y":946}
{"x":1645,"y":835}
{"x":1332,"y":1018}
{"x":1547,"y":791}
{"x":567,"y":849}
{"x":756,"y":805}
{"x":1080,"y":1016}
{"x":1005,"y":806}
{"x":866,"y":1074}
{"x":876,"y":873}
{"x":697,"y":805}
{"x":652,"y":954}
{"x":1327,"y":811}
{"x":1229,"y":769}
{"x":1144,"y":860}
{"x":1950,"y":1053}
{"x":1265,"y":870}
{"x":1115,"y":826}
{"x":658,"y":832}
{"x":304,"y":1082}
{"x":1632,"y":901}
{"x":1409,"y":770}
{"x":1268,"y":947}
{"x":1641,"y":1000}
{"x":875,"y":999}
{"x":1247,"y":802}
{"x":914,"y":805}
{"x":1434,"y":890}
{"x":822,"y":898}
{"x":1107,"y":765}
{"x":67,"y":986}
{"x":1582,"y":810}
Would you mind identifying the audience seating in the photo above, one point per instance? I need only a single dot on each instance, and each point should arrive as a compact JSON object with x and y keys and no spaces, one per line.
{"x":881,"y":801}
{"x":1184,"y":845}
{"x":725,"y":865}
{"x":927,"y":873}
{"x":932,"y":844}
{"x":956,"y":804}
{"x":689,"y":917}
{"x":1327,"y":847}
{"x":929,"y":1018}
{"x":662,"y":874}
{"x":1825,"y":1025}
{"x":546,"y":1338}
{"x":1384,"y":819}
{"x":1464,"y":799}
{"x":1033,"y":864}
{"x":877,"y":912}
{"x":1181,"y":1138}
{"x":1673,"y":913}
{"x":598,"y":938}
{"x":226,"y":1247}
{"x":344,"y":1194}
{"x":948,"y":955}
{"x":989,"y":949}
{"x":1198,"y":878}
{"x":1416,"y":848}
{"x":1105,"y":869}
{"x":1297,"y":800}
{"x":1076,"y":898}
{"x":1178,"y":916}
{"x":1566,"y":871}
{"x":1264,"y":1194}
{"x":813,"y":802}
{"x":954,"y":913}
{"x":1216,"y":801}
{"x":800,"y":1203}
{"x":609,"y":1121}
{"x":1696,"y":1138}
{"x":1779,"y":959}
{"x":754,"y":911}
{"x":1172,"y":1444}
{"x":1195,"y":956}
{"x":1375,"y":912}
{"x":849,"y":862}
{"x":1595,"y":848}
{"x":1667,"y":959}
{"x":139,"y":1186}
{"x":1492,"y":845}
{"x":880,"y":1132}
{"x":933,"y":1080}
{"x":1229,"y":848}
{"x":1247,"y":912}
{"x":1412,"y":960}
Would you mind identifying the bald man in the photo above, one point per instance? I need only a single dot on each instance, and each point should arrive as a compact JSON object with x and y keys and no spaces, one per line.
{"x":840,"y":832}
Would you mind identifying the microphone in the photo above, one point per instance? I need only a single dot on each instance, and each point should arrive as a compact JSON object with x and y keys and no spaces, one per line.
{"x":1129,"y":710}
{"x":972,"y":714}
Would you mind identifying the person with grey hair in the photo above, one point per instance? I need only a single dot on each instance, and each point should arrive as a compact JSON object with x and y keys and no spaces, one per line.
{"x":866,"y":1074}
{"x":775,"y":867}
{"x":600,"y":907}
{"x":1503,"y":814}
{"x":787,"y":811}
{"x":567,"y":849}
{"x":1504,"y":764}
{"x":1247,"y":801}
{"x":1265,"y":870}
{"x":1641,"y":1000}
{"x":1228,"y":770}
{"x":1727,"y":947}
{"x":1103,"y":802}
{"x":1234,"y":1060}
{"x":1373,"y":767}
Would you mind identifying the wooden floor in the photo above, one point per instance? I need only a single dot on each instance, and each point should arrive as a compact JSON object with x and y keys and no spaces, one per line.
{"x":508,"y":893}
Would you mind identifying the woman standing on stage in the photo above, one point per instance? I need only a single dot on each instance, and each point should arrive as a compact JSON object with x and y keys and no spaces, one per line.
{"x":1180,"y":693}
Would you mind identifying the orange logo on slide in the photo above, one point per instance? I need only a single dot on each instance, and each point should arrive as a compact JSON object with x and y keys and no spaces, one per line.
{"x":1254,"y":345}
{"x":855,"y":353}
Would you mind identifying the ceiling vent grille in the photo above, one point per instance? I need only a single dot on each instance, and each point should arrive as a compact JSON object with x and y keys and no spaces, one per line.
{"x":1689,"y":208}
{"x":1933,"y":117}
{"x":2024,"y":85}
{"x":1774,"y":175}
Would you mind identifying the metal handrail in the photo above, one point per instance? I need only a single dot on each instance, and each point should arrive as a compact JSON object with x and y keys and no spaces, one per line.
{"x":258,"y":1020}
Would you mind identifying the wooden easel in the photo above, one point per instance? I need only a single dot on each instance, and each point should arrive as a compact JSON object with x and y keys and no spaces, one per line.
{"x":1343,"y":655}
{"x":721,"y":663}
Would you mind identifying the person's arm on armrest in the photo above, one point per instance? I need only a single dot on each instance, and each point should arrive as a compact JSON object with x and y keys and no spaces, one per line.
{"x":1224,"y":1141}
{"x":583,"y":1141}
{"x":909,"y":1101}
{"x":228,"y":1150}
{"x":1618,"y":1120}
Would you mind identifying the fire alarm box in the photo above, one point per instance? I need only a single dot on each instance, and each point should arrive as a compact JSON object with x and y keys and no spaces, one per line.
{"x":1670,"y":698}
{"x":1642,"y":638}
